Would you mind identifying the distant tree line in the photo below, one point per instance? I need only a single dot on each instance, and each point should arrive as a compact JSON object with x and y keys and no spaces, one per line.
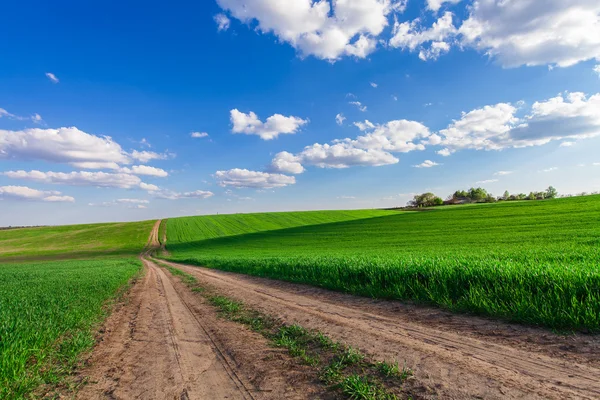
{"x":477,"y":195}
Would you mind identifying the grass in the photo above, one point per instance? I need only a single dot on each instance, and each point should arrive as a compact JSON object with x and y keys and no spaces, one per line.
{"x":48,"y":315}
{"x":191,"y":229}
{"x":74,"y":241}
{"x":342,"y":368}
{"x":532,"y":262}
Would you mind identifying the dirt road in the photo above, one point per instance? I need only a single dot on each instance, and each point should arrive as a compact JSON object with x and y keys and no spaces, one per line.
{"x":166,"y":343}
{"x":455,"y":356}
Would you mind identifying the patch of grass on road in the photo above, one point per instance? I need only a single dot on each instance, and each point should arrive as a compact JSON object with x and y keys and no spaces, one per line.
{"x":344,"y":369}
{"x":532,"y":262}
{"x":48,"y":314}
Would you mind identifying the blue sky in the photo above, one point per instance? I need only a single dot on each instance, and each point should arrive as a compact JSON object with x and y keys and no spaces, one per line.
{"x":98,"y":103}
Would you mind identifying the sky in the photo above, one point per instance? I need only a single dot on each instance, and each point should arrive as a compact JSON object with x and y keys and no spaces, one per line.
{"x":121,"y":111}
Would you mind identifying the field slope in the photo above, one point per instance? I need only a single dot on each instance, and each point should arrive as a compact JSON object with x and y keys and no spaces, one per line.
{"x":74,"y":241}
{"x":534,"y":262}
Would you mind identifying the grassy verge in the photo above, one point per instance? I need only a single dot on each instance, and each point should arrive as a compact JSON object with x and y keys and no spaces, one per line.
{"x":342,"y":368}
{"x":49,"y":313}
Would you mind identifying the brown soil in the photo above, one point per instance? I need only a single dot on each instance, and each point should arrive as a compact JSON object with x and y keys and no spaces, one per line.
{"x":165,"y":342}
{"x":454,"y":356}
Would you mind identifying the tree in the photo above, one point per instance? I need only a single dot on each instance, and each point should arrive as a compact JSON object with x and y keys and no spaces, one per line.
{"x":478,"y":194}
{"x":425,"y":200}
{"x":460,"y":194}
{"x":506,"y":195}
{"x":531,"y":196}
{"x":551,"y":192}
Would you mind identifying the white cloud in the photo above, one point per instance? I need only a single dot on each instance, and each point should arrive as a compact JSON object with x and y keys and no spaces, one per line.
{"x":242,"y":178}
{"x":486,"y":181}
{"x":319,"y":28}
{"x":79,"y":178}
{"x":530,"y":32}
{"x":358,"y":105}
{"x":62,"y":145}
{"x":37,"y":118}
{"x":25,"y":193}
{"x":171,"y":195}
{"x":199,"y":134}
{"x":52,"y":77}
{"x":286,"y":163}
{"x":395,"y":98}
{"x":344,"y":155}
{"x":596,"y":164}
{"x":567,"y":144}
{"x":444,"y":152}
{"x":503,"y":173}
{"x":374,"y":148}
{"x":346,"y":197}
{"x":566,"y":116}
{"x":597,"y":69}
{"x":549,"y":169}
{"x":426,"y":164}
{"x":373,"y":84}
{"x":434,"y":51}
{"x":411,"y":36}
{"x":145,"y":156}
{"x":435,"y":5}
{"x":275,"y":125}
{"x":148,"y":187}
{"x":145,"y":170}
{"x":339,"y":119}
{"x":222,"y":22}
{"x":129,"y":203}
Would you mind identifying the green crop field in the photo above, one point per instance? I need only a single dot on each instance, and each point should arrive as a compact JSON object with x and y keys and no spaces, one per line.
{"x":536,"y":262}
{"x":190,"y":229}
{"x":48,"y":312}
{"x":74,"y":241}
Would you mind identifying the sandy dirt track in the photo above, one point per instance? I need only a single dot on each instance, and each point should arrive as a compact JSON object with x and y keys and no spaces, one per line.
{"x":453,"y":357}
{"x":165,"y":342}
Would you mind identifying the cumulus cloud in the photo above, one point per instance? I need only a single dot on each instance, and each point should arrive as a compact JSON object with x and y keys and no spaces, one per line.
{"x":426,"y":164}
{"x":146,"y":156}
{"x":373,"y":84}
{"x":530,"y":32}
{"x":80,"y":178}
{"x":435,"y":5}
{"x":62,"y":145}
{"x":326,"y":30}
{"x":275,"y":125}
{"x":145,"y":170}
{"x":431,"y":42}
{"x":597,"y":69}
{"x":199,"y":134}
{"x":286,"y":163}
{"x":37,"y":118}
{"x":339,"y":119}
{"x":243,"y":178}
{"x":52,"y":77}
{"x":567,"y":144}
{"x":374,"y":148}
{"x":358,"y":105}
{"x":171,"y":195}
{"x":222,"y":22}
{"x":26,"y":193}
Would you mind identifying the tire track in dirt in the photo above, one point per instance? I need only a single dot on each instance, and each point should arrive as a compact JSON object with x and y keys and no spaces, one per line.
{"x":453,"y":365}
{"x":167,"y":343}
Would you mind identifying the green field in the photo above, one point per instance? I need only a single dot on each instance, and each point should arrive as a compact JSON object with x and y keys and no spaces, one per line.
{"x":74,"y":241}
{"x":190,"y":229}
{"x":48,"y":315}
{"x":534,"y":262}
